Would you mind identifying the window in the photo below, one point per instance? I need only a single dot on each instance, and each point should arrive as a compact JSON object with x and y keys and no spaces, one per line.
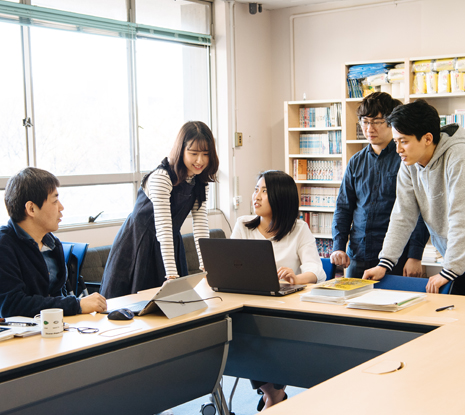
{"x":13,"y":153}
{"x":172,"y":88}
{"x":81,"y":101}
{"x":102,"y":99}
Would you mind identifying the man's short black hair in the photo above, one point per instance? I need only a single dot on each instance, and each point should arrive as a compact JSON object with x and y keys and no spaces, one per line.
{"x":30,"y":184}
{"x":417,"y":118}
{"x":377,"y":103}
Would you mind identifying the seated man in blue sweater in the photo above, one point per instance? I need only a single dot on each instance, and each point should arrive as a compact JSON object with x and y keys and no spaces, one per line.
{"x":32,"y":264}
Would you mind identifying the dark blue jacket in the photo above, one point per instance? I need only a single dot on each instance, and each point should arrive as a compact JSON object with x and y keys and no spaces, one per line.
{"x":364,"y":205}
{"x":24,"y":280}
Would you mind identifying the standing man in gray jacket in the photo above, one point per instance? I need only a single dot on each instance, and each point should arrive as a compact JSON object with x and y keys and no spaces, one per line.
{"x":431,"y":181}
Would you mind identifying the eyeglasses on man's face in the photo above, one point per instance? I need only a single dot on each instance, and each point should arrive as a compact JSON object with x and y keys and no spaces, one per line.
{"x":364,"y":123}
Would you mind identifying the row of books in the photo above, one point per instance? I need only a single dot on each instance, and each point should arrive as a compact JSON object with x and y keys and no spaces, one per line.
{"x":320,"y":117}
{"x":319,"y":222}
{"x":359,"y":132}
{"x":430,"y":254}
{"x":355,"y":88}
{"x":317,"y":169}
{"x":318,"y":196}
{"x":326,"y":143}
{"x":458,"y":118}
{"x":325,"y":247}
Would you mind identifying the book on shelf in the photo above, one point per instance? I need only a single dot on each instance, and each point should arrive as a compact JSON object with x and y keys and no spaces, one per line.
{"x":386,"y":300}
{"x":300,"y":169}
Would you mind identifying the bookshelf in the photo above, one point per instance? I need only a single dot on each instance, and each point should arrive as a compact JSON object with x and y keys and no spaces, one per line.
{"x":315,"y":143}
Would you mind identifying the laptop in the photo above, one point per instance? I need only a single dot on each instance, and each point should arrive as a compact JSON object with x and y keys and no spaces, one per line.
{"x":245,"y":266}
{"x":175,"y":298}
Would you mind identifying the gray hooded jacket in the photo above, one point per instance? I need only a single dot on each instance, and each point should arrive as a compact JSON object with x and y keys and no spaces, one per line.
{"x":438,"y":192}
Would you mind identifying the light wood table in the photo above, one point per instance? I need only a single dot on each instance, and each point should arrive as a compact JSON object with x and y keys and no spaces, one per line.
{"x":134,"y":370}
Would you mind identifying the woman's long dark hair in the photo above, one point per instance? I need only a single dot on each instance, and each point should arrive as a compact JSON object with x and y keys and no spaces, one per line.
{"x":284,"y":201}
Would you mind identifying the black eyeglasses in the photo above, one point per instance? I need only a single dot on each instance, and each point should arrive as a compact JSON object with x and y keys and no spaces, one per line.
{"x":83,"y":330}
{"x":375,"y":123}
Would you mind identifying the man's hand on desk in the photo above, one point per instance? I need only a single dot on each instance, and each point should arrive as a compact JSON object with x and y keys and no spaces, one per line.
{"x":93,"y":302}
{"x":340,"y":258}
{"x":435,"y":283}
{"x":413,"y":268}
{"x":375,"y":273}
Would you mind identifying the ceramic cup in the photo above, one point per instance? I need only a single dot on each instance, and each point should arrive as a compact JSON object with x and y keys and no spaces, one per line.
{"x":51,"y":322}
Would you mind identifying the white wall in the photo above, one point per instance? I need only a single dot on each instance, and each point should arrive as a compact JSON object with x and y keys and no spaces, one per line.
{"x":254,"y":91}
{"x":326,"y":36}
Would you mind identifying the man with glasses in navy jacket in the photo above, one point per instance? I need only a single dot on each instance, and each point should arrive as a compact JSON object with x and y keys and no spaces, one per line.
{"x":367,"y":195}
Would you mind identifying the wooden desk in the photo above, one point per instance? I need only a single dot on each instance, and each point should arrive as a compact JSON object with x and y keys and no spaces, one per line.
{"x":148,"y":364}
{"x":98,"y":373}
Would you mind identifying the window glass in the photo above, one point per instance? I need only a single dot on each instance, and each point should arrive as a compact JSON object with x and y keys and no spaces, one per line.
{"x":172,"y":88}
{"x":179,"y":15}
{"x":13,"y":153}
{"x":115,"y":200}
{"x":81,"y":102}
{"x":111,"y":9}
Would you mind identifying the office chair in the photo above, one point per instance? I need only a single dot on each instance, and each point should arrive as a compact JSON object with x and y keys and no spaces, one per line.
{"x":329,"y":268}
{"x":75,"y":283}
{"x":398,"y":282}
{"x":67,"y":249}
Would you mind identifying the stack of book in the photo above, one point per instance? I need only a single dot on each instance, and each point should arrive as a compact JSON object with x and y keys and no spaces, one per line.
{"x":337,"y":290}
{"x":430,"y":254}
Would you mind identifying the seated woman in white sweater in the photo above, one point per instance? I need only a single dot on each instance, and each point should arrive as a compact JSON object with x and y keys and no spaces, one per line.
{"x":276,"y":204}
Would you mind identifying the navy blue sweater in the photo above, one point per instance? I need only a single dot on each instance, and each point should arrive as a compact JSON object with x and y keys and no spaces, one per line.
{"x":24,"y":278}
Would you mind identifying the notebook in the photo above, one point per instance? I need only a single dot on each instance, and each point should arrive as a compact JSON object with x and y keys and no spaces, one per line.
{"x":175,"y":298}
{"x":245,"y":266}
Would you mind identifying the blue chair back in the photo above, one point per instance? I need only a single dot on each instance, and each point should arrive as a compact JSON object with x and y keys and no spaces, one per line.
{"x":330,"y":269}
{"x":67,"y":249}
{"x":74,"y":263}
{"x":398,"y":282}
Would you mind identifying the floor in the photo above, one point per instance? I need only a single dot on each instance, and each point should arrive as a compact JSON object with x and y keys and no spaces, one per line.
{"x":244,"y":402}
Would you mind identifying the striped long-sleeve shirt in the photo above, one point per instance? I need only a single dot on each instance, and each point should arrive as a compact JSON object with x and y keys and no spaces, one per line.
{"x":158,"y":189}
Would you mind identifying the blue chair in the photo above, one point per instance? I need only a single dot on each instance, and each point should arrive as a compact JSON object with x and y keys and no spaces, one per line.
{"x":75,"y":284}
{"x":67,"y":249}
{"x":398,"y":282}
{"x":329,"y":268}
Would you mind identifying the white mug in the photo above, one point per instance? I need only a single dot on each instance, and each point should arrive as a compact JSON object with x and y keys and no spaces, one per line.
{"x":51,"y":322}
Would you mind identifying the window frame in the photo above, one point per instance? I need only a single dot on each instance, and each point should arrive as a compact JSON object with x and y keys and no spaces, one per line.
{"x":26,"y":15}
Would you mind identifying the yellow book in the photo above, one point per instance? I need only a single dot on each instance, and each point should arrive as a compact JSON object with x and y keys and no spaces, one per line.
{"x":342,"y":287}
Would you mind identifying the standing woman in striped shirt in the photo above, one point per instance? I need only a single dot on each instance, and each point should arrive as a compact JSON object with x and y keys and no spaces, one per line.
{"x":148,"y":248}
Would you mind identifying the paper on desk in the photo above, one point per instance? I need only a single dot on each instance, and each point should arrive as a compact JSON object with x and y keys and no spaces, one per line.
{"x":24,"y":331}
{"x":385,"y":300}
